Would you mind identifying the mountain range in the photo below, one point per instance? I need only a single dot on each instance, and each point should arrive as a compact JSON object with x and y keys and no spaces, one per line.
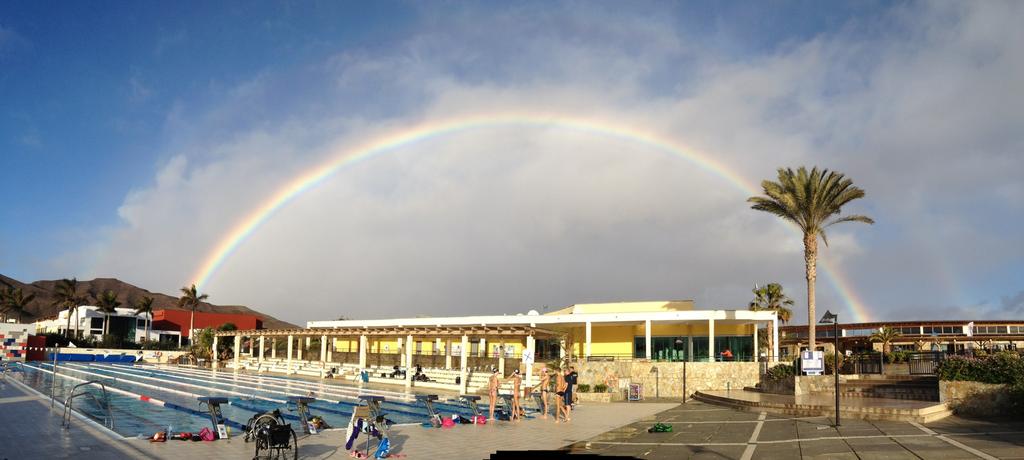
{"x":42,"y":305}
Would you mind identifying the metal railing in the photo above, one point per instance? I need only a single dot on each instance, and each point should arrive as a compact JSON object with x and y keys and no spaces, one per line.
{"x":66,"y":418}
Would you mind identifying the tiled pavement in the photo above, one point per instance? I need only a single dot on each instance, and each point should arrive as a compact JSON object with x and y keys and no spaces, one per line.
{"x":32,"y":430}
{"x":705,"y":431}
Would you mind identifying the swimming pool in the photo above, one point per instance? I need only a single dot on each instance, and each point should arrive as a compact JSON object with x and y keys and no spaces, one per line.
{"x":148,"y":398}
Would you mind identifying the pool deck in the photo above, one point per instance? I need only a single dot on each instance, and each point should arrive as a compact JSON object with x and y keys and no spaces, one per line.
{"x":32,"y":430}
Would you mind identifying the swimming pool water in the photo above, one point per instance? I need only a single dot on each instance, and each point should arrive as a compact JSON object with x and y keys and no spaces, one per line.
{"x":180,"y":386}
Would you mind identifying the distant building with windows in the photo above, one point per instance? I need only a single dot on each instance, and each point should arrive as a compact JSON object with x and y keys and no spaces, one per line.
{"x":124,"y":322}
{"x":946,"y":336}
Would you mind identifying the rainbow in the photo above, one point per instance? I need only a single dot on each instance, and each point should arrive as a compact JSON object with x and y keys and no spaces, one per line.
{"x":394,"y":141}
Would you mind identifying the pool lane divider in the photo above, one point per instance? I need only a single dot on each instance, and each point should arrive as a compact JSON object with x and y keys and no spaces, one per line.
{"x":185,"y":384}
{"x":237,"y":379}
{"x":141,"y":397}
{"x":342,"y":390}
{"x":391,"y":403}
{"x":336,"y":390}
{"x":322,"y":389}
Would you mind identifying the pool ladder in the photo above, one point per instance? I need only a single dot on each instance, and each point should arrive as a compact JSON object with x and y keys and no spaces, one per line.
{"x":66,"y":419}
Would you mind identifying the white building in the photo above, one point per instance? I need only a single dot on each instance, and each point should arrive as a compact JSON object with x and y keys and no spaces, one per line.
{"x":124,"y":322}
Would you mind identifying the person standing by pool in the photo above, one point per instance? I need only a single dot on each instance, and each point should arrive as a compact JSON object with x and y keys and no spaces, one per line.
{"x":544,"y":385}
{"x":492,"y":390}
{"x":516,"y":384}
{"x":560,"y":409}
{"x":569,"y":380}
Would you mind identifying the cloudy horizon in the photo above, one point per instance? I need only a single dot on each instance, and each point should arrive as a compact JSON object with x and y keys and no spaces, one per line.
{"x":134,"y":152}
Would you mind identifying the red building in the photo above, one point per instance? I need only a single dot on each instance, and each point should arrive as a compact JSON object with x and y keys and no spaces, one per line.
{"x":178,"y":320}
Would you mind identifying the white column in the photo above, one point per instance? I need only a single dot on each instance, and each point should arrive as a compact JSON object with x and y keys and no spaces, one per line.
{"x":330,"y":349}
{"x":362,"y":351}
{"x":323,"y":349}
{"x":448,"y":354}
{"x":262,"y":343}
{"x":437,"y":345}
{"x":238,"y":350}
{"x":289,"y":361}
{"x":213,"y":354}
{"x":501,"y":358}
{"x":647,"y":338}
{"x":757,"y":347}
{"x":464,"y":358}
{"x":401,"y":352}
{"x":775,"y":338}
{"x":273,"y":348}
{"x":586,"y":348}
{"x":483,"y":347}
{"x":531,"y":345}
{"x":711,"y":339}
{"x":408,"y":361}
{"x":561,"y":349}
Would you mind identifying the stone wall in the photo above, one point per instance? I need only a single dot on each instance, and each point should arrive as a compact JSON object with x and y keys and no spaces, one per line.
{"x":784,"y":386}
{"x":975,"y":398}
{"x":667,"y":382}
{"x":808,"y":384}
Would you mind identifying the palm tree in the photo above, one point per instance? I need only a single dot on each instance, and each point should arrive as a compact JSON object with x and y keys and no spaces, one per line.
{"x":145,"y":307}
{"x":813,"y":200}
{"x":66,"y":297}
{"x":885,"y":335}
{"x":771,"y":298}
{"x":107,"y":303}
{"x":190,"y":299}
{"x":15,"y":301}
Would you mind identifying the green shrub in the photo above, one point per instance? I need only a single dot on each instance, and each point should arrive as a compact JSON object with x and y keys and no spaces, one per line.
{"x":583,"y":388}
{"x":600,"y":388}
{"x":780,"y":372}
{"x":830,"y":360}
{"x":898,"y":356}
{"x":1002,"y":367}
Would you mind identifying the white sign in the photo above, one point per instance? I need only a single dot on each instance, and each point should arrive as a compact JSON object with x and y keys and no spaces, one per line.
{"x":812,"y":362}
{"x":527,"y":357}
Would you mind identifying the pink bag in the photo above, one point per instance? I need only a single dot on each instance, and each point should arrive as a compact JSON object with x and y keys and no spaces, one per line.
{"x":479,"y":420}
{"x":207,"y":434}
{"x":447,"y":423}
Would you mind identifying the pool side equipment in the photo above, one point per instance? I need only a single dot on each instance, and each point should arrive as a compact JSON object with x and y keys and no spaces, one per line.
{"x":302,"y":404}
{"x":433,"y":418}
{"x":213,"y":405}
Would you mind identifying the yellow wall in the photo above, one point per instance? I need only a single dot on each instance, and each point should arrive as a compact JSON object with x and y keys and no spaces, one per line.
{"x":618,"y":340}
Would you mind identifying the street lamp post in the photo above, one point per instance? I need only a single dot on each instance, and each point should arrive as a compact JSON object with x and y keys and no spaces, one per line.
{"x":831,"y":318}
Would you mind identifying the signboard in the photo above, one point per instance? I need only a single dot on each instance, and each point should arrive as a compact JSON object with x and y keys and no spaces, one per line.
{"x":636,"y":392}
{"x":527,"y":357}
{"x":812,"y":362}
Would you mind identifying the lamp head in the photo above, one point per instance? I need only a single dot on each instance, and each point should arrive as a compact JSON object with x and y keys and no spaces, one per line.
{"x":829,"y":318}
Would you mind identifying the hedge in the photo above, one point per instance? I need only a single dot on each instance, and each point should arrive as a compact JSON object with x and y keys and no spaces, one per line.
{"x":1002,"y":367}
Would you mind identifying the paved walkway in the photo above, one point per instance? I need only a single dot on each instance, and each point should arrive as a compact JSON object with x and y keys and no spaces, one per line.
{"x":706,"y":431}
{"x":32,"y":430}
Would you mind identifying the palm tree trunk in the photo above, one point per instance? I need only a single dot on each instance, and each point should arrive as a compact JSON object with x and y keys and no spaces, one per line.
{"x":191,"y":325}
{"x":810,"y":261}
{"x":67,"y":331}
{"x":76,"y":321}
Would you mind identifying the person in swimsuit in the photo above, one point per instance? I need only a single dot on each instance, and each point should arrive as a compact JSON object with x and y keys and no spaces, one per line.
{"x":544,"y":385}
{"x":516,"y":406}
{"x":492,"y":389}
{"x":560,"y":386}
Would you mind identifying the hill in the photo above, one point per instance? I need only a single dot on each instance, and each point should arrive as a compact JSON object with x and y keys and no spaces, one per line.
{"x":42,"y":305}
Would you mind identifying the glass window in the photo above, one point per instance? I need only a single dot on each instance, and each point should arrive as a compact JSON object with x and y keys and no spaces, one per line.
{"x":96,"y":323}
{"x":700,"y":348}
{"x":860,"y":332}
{"x":741,"y":347}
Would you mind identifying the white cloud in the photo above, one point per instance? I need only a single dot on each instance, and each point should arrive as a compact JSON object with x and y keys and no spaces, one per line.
{"x":506,"y":219}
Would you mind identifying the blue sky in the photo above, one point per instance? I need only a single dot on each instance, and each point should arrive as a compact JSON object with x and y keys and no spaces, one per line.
{"x":135,"y":135}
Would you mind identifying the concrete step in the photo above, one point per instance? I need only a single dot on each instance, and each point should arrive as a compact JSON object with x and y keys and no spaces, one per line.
{"x":861,"y":408}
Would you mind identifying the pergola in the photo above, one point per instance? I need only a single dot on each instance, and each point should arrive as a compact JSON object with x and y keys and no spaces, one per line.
{"x":404,"y":334}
